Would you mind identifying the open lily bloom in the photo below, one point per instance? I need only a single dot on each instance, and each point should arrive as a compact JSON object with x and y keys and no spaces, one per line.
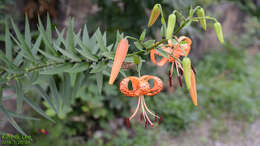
{"x":142,"y":87}
{"x":175,"y":51}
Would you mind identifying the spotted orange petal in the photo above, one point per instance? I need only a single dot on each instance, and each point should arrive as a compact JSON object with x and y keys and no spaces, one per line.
{"x":119,"y":58}
{"x":193,"y":90}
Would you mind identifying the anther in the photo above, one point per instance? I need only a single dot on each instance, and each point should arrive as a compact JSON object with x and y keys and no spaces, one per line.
{"x":180,"y":81}
{"x":160,"y":120}
{"x":127,"y":122}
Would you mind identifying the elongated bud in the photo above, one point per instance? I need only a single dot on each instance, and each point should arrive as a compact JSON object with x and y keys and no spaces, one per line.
{"x":186,"y":63}
{"x":193,"y":90}
{"x":218,"y":30}
{"x":170,"y":26}
{"x":119,"y":58}
{"x":155,"y":14}
{"x":201,"y":13}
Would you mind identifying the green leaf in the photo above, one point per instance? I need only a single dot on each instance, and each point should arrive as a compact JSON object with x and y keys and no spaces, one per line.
{"x":78,"y":83}
{"x":66,"y":92}
{"x":85,"y":35}
{"x":149,"y":43}
{"x":37,"y":108}
{"x":45,"y":96}
{"x":11,"y":120}
{"x":138,"y":45}
{"x":21,"y":116}
{"x":22,"y":44}
{"x":78,"y":67}
{"x":48,"y":27}
{"x":68,"y":53}
{"x":142,"y":35}
{"x":85,"y":51}
{"x":71,"y":35}
{"x":99,"y":78}
{"x":51,"y":57}
{"x":136,"y":59}
{"x":46,"y":37}
{"x":99,"y":67}
{"x":20,"y":96}
{"x":8,"y":42}
{"x":100,"y":40}
{"x":54,"y":92}
{"x":27,"y":33}
{"x":37,"y":44}
{"x":163,"y":53}
{"x":57,"y":69}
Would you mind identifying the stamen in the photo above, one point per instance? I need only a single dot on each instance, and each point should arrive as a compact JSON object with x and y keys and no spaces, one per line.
{"x":127,"y":121}
{"x":146,"y":122}
{"x":160,"y":120}
{"x":170,"y":78}
{"x":139,"y":100}
{"x":181,"y":72}
{"x":141,"y":116}
{"x":150,"y":111}
{"x":144,"y":112}
{"x":180,"y":81}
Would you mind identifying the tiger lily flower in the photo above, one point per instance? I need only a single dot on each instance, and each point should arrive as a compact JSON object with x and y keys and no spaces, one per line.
{"x":141,"y":87}
{"x":175,"y":51}
{"x":119,"y":58}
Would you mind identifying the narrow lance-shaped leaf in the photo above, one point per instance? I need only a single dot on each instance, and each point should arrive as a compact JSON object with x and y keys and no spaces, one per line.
{"x":170,"y":26}
{"x":201,"y":13}
{"x":8,"y":42}
{"x":155,"y":14}
{"x":11,"y":120}
{"x":45,"y":97}
{"x":67,"y":92}
{"x":20,"y":96}
{"x":186,"y":63}
{"x":99,"y":77}
{"x":218,"y":30}
{"x":37,"y":108}
{"x":27,"y":33}
{"x":143,"y":35}
{"x":54,"y":93}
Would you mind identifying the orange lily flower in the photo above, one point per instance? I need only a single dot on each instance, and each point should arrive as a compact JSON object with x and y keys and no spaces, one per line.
{"x":119,"y":58}
{"x":141,"y":87}
{"x":177,"y":52}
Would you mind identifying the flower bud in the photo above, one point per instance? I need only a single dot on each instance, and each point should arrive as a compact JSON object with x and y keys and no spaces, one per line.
{"x":218,"y":30}
{"x":186,"y":63}
{"x":201,"y":13}
{"x":155,"y":14}
{"x":170,"y":26}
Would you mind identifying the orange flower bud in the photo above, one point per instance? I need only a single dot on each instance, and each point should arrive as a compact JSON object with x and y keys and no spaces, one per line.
{"x":119,"y":58}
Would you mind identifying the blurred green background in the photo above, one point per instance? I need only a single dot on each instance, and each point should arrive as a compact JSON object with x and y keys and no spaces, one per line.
{"x":228,"y":77}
